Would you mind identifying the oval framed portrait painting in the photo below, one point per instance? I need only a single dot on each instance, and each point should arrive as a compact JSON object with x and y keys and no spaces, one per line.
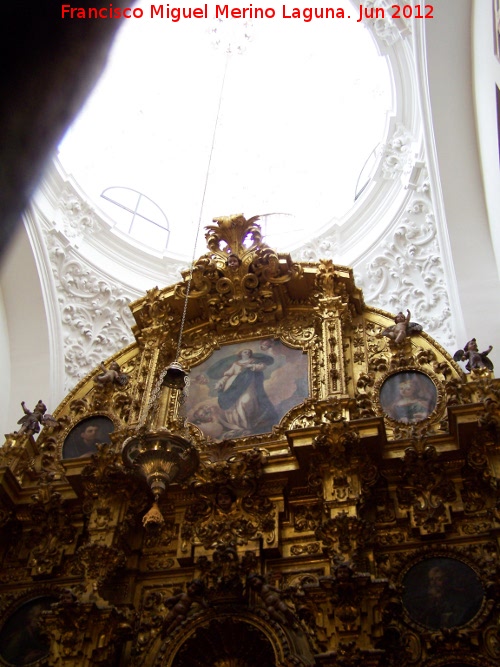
{"x":21,"y":639}
{"x":442,"y":593}
{"x":82,"y":440}
{"x":408,"y":397}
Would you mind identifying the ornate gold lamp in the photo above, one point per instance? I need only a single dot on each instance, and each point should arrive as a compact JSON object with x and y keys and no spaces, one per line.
{"x":162,"y":458}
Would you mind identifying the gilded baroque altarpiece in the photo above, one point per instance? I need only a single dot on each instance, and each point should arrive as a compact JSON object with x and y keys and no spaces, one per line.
{"x":322,"y":491}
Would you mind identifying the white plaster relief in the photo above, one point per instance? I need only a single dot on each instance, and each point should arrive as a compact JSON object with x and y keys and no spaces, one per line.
{"x":384,"y":27}
{"x":396,"y":162}
{"x":406,"y":271}
{"x":76,"y":218}
{"x":92,"y":302}
{"x":397,"y":155}
{"x":95,"y":317}
{"x":323,"y":247}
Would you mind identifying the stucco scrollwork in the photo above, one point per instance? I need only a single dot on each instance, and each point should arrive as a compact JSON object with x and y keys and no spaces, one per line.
{"x":78,"y":217}
{"x":96,"y":321}
{"x":407,"y":269}
{"x":397,"y":153}
{"x":385,"y":28}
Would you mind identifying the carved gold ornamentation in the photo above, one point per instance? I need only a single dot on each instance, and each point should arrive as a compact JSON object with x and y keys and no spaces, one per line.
{"x":82,"y":632}
{"x":345,"y":537}
{"x":328,"y":511}
{"x":50,"y":534}
{"x":230,"y":506}
{"x":425,"y":490}
{"x":236,"y":282}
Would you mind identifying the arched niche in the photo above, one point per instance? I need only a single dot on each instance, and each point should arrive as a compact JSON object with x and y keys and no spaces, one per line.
{"x":230,"y":637}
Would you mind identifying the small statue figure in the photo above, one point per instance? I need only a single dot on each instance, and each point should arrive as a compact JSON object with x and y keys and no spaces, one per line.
{"x":225,"y":499}
{"x":31,"y":421}
{"x":233,"y":262}
{"x":181,"y":604}
{"x":67,"y":598}
{"x":475,"y":359}
{"x":111,"y":375}
{"x":271,"y":597}
{"x":401,"y":328}
{"x":255,"y":457}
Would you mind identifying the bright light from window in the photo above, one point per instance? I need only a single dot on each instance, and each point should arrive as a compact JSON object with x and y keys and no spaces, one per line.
{"x":301,"y":110}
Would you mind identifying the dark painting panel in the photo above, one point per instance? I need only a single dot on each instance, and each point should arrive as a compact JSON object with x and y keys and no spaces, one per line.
{"x":408,"y":397}
{"x":246,"y":388}
{"x":442,"y":593}
{"x":82,"y":440}
{"x":21,"y":639}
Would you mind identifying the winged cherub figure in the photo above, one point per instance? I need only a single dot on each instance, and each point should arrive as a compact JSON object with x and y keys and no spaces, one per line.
{"x":401,"y":328}
{"x":473,"y":357}
{"x":31,"y":421}
{"x":111,"y":375}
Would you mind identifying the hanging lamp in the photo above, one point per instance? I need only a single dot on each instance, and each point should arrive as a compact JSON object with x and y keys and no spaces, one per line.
{"x":162,"y":458}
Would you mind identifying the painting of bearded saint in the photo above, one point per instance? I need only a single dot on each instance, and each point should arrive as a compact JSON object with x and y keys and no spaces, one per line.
{"x":442,"y":593}
{"x":246,"y":389}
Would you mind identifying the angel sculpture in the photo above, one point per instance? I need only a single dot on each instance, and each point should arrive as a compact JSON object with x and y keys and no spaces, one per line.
{"x":401,"y":328}
{"x":111,"y":375}
{"x":475,"y":359}
{"x":31,"y":421}
{"x":277,"y":609}
{"x":180,"y":605}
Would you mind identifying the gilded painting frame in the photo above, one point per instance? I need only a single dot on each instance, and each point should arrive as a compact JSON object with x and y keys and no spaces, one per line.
{"x":21,"y":641}
{"x":408,"y":396}
{"x":83,"y":436}
{"x":245,"y":388}
{"x":382,"y":402}
{"x":441,"y":591}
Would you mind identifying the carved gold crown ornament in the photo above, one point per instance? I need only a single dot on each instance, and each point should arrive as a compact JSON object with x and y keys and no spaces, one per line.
{"x":237,"y":279}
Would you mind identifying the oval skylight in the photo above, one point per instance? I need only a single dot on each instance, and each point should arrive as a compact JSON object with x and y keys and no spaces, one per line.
{"x":301,"y":110}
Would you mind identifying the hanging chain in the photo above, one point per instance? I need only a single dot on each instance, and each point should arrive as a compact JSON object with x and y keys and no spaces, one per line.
{"x":188,"y":288}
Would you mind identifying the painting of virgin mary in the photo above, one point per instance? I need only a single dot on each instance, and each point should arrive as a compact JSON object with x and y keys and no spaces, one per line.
{"x":245,"y":389}
{"x":241,"y":393}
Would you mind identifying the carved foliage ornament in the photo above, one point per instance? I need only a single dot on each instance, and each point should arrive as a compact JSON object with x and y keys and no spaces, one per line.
{"x":224,"y":574}
{"x":407,"y":268}
{"x":345,"y":537}
{"x":236,"y":281}
{"x":230,"y":507}
{"x":337,"y":449}
{"x":426,"y":489}
{"x":49,"y":533}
